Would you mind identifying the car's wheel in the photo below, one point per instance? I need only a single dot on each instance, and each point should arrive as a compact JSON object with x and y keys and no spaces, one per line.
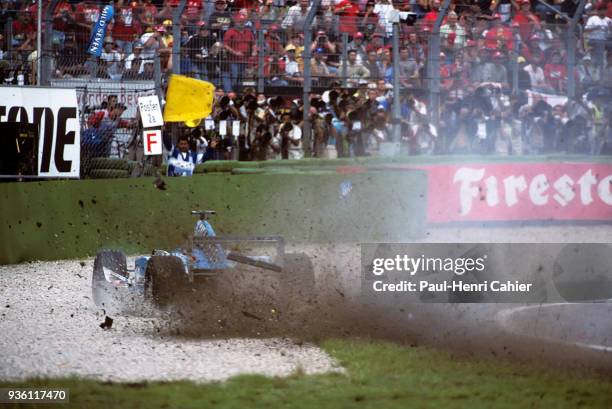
{"x":108,"y":265}
{"x":165,"y":280}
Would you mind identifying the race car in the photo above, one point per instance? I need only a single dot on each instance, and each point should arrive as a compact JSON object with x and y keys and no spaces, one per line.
{"x":162,"y":277}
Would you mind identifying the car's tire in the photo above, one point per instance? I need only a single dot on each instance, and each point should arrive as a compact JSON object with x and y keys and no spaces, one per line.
{"x":165,"y":280}
{"x":298,"y":278}
{"x":105,"y":294}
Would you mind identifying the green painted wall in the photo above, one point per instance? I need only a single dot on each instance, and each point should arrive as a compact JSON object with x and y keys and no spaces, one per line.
{"x":70,"y":219}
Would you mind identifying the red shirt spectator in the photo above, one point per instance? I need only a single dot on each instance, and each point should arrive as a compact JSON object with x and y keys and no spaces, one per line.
{"x":432,"y":15}
{"x":193,"y":10}
{"x":377,"y":43}
{"x":272,"y":42}
{"x":63,"y":9}
{"x":239,"y":40}
{"x":556,"y":73}
{"x":24,"y":25}
{"x":348,"y":11}
{"x":63,"y":17}
{"x":526,"y":20}
{"x":148,"y":13}
{"x":125,"y":27}
{"x":86,"y":13}
{"x":499,"y":37}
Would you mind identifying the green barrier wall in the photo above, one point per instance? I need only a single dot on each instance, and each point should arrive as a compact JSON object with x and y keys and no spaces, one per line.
{"x":70,"y":219}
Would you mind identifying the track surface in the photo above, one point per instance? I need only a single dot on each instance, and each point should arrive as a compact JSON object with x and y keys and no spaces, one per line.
{"x":50,"y":328}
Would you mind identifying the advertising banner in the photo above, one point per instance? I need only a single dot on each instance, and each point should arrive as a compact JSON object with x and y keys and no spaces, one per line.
{"x":92,"y":93}
{"x":54,"y":113}
{"x":519,"y":191}
{"x":96,"y":43}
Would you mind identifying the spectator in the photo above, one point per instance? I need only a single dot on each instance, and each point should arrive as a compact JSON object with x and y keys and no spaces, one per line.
{"x":536,"y":74}
{"x":293,"y":72}
{"x":86,"y":14}
{"x":323,"y":42}
{"x":452,"y":36}
{"x":297,"y":40}
{"x":385,"y":65}
{"x":147,"y":13}
{"x":588,"y":75}
{"x":24,"y":32}
{"x":152,"y":42}
{"x":110,"y":61}
{"x":494,"y":71}
{"x":598,"y":31}
{"x":193,"y":13}
{"x":415,"y":49}
{"x":198,"y":50}
{"x":63,"y":22}
{"x":359,"y":46}
{"x":372,"y":65}
{"x":70,"y":62}
{"x":125,"y":27}
{"x":499,"y":37}
{"x":526,"y":20}
{"x":556,"y":73}
{"x":368,"y":24}
{"x":319,"y":69}
{"x":296,"y":17}
{"x":220,"y":20}
{"x":167,"y":38}
{"x":133,"y":62}
{"x":97,"y":140}
{"x":348,"y":11}
{"x":377,"y":43}
{"x":240,"y":43}
{"x":408,"y":69}
{"x":382,"y":10}
{"x":354,"y":70}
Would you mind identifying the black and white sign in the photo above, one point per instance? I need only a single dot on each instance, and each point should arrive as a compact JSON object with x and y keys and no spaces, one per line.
{"x":150,"y":111}
{"x":55,"y":113}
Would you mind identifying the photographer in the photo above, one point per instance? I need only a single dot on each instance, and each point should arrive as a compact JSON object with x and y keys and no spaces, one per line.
{"x":290,"y":139}
{"x":264,"y":147}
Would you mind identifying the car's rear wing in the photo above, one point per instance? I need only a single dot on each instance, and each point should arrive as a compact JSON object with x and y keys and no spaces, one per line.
{"x":273,"y":262}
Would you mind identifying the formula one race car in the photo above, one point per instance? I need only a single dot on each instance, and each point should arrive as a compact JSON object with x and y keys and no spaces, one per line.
{"x":163,"y":276}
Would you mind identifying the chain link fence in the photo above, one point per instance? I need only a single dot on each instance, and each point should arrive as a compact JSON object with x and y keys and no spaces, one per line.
{"x":364,"y":77}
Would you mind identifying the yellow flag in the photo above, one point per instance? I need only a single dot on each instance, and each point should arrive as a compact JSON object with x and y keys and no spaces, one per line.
{"x":188,"y":99}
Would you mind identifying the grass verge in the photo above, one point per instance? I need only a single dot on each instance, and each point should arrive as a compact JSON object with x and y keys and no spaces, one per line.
{"x":379,"y":375}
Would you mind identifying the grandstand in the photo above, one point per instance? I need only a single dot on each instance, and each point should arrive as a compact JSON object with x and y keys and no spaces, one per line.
{"x":418,"y":77}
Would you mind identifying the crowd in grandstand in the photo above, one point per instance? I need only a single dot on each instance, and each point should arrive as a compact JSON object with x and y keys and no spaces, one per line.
{"x":503,"y":69}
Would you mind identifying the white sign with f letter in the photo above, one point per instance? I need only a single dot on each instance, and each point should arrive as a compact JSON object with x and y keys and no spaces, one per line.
{"x":152,"y":142}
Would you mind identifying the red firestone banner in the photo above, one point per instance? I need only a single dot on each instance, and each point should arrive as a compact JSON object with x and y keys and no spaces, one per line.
{"x":519,"y":191}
